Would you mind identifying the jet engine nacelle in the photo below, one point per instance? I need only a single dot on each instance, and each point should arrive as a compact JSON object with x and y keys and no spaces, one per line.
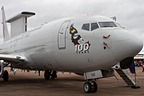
{"x":1,"y":67}
{"x":126,"y":63}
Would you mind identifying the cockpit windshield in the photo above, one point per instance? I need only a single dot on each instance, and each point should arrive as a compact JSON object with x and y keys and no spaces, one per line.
{"x":96,"y":25}
{"x":107,"y":24}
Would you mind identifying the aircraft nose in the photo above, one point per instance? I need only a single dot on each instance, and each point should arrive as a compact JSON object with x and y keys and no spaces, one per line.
{"x":126,"y":45}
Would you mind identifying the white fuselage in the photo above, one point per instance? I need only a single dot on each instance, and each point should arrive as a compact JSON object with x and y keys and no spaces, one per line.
{"x":51,"y":46}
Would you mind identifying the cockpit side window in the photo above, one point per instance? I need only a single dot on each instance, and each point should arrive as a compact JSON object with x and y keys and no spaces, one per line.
{"x":107,"y":24}
{"x":94,"y":26}
{"x":86,"y":26}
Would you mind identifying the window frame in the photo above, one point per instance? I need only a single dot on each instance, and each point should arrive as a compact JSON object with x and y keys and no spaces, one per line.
{"x":94,"y":23}
{"x":88,"y":27}
{"x":107,"y":26}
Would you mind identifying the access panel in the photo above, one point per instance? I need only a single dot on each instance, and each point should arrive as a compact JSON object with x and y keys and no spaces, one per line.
{"x":62,"y":35}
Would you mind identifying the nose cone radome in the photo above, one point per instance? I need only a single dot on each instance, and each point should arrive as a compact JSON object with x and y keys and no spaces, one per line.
{"x":126,"y":45}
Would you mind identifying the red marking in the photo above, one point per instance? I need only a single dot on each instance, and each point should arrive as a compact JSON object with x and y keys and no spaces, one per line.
{"x":106,"y":36}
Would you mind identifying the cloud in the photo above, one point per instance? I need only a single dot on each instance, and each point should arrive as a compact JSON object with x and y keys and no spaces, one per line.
{"x":129,"y":13}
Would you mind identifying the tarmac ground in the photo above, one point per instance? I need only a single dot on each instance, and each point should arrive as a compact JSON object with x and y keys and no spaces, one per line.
{"x":30,"y":84}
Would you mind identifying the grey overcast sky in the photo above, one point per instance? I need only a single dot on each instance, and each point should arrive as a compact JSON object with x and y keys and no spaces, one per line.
{"x":129,"y":13}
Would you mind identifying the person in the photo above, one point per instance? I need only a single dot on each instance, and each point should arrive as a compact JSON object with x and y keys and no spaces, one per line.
{"x":138,"y":63}
{"x":143,"y":68}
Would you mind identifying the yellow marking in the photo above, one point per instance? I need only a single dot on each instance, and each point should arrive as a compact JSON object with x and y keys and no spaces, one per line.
{"x":73,"y":31}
